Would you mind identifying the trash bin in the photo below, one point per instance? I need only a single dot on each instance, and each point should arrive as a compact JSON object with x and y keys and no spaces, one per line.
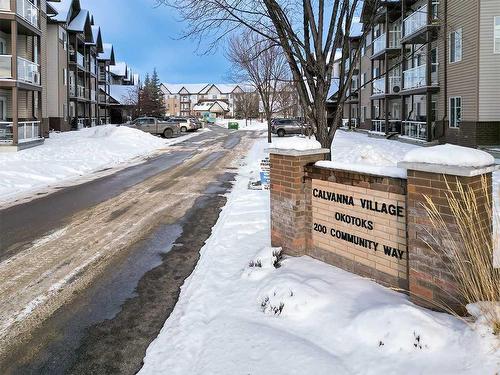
{"x":233,"y":125}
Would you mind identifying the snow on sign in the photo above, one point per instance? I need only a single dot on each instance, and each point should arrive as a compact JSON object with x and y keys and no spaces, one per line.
{"x":363,"y":225}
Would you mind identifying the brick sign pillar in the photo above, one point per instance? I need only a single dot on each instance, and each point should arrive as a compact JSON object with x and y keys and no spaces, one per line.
{"x":430,"y":282}
{"x":288,"y":200}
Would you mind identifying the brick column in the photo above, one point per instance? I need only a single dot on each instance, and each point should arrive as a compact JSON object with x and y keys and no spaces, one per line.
{"x":288,"y":200}
{"x":430,"y":282}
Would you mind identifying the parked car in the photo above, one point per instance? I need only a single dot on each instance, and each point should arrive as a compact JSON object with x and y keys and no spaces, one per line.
{"x":185,"y":124}
{"x":155,"y":126}
{"x":284,"y":126}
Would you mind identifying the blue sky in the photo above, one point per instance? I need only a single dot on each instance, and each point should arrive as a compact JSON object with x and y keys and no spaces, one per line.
{"x":145,"y":36}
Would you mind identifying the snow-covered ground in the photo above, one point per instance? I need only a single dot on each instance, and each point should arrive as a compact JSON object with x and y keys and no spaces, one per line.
{"x":71,"y":155}
{"x":305,"y":317}
{"x":243,"y":124}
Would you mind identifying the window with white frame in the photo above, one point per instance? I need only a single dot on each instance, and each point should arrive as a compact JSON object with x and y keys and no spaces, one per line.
{"x":456,"y":46}
{"x":455,"y":111}
{"x":363,"y":80}
{"x":496,"y":34}
{"x":65,"y":77}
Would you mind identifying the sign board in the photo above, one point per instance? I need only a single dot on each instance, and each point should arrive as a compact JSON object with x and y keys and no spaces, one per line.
{"x":265,"y":167}
{"x":363,"y":225}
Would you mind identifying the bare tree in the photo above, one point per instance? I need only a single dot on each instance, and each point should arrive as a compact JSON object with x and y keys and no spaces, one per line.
{"x":261,"y":64}
{"x":287,"y":100}
{"x":308,"y":32}
{"x":246,"y":105}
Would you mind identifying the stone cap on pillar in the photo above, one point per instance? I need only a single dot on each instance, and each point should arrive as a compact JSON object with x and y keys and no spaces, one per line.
{"x":290,"y":152}
{"x":449,"y":160}
{"x":451,"y":170}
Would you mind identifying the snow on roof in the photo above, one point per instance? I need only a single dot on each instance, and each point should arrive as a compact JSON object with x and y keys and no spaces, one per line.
{"x":192,"y":88}
{"x":62,"y":8}
{"x":121,"y":93}
{"x":108,"y":52}
{"x":226,"y":88}
{"x":95,"y":33}
{"x":296,"y":143}
{"x":78,"y":23}
{"x":119,"y":69}
{"x":450,"y":155}
{"x":207,"y":106}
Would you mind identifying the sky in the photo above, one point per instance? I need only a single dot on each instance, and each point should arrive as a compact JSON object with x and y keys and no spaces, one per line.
{"x":146,"y":36}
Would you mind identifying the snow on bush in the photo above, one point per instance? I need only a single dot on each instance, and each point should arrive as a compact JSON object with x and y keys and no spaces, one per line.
{"x":297,"y":143}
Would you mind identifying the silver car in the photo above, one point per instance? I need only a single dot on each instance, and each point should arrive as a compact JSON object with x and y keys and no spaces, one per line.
{"x":284,"y":126}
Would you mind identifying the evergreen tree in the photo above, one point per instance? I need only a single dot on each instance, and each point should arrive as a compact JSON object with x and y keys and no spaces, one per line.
{"x":151,"y":98}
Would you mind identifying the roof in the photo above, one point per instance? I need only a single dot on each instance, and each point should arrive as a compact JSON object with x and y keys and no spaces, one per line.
{"x":79,"y":22}
{"x":192,"y":88}
{"x":63,"y":8}
{"x":207,"y":106}
{"x":96,"y":38}
{"x":119,"y":69}
{"x":121,"y":93}
{"x":108,"y":53}
{"x":227,"y":88}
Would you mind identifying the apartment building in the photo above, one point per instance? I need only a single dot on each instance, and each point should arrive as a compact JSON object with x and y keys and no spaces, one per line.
{"x":105,"y":60}
{"x":180,"y":99}
{"x":430,"y":72}
{"x":23,"y":111}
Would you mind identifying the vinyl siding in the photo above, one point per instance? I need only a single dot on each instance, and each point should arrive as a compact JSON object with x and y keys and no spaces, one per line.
{"x":463,"y":76}
{"x":489,"y":64}
{"x":52,"y":71}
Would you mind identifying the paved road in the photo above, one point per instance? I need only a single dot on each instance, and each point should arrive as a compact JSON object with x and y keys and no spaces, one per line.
{"x":90,"y":273}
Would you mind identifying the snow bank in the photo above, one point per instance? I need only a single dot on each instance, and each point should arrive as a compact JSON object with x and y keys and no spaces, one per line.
{"x":450,"y":155}
{"x":243,"y":124}
{"x":304,"y":317}
{"x":295,"y":143}
{"x":69,"y":155}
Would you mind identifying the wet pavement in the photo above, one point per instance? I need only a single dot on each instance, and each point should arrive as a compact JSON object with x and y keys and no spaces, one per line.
{"x":106,"y":327}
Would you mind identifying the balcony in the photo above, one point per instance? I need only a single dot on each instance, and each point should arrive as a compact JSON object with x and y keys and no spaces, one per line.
{"x":28,"y":11}
{"x":416,"y":23}
{"x":378,"y":126}
{"x":81,"y":92}
{"x":379,"y":44}
{"x":28,"y":71}
{"x":378,"y":87}
{"x":415,"y":129}
{"x":6,"y":66}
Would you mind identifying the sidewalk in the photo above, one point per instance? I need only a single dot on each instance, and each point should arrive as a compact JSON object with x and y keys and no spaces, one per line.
{"x":304,"y":317}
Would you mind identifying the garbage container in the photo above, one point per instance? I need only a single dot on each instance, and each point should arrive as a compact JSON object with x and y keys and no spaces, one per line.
{"x":233,"y":126}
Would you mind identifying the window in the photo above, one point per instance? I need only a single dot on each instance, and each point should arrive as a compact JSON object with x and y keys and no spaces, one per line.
{"x":65,"y":77}
{"x":3,"y":108}
{"x":3,"y":46}
{"x":456,"y":46}
{"x":455,"y":111}
{"x":497,"y":35}
{"x":363,"y":80}
{"x":363,"y":50}
{"x":65,"y":111}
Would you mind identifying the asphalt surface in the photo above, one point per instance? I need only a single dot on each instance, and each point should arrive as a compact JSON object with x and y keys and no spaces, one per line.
{"x":105,"y":326}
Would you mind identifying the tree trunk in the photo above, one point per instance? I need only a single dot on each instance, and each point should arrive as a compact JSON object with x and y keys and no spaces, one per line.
{"x":269,"y":118}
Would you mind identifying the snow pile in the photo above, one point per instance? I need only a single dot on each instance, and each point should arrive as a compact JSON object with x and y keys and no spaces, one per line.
{"x":243,"y":124}
{"x":295,"y":143}
{"x":301,"y":316}
{"x":450,"y":155}
{"x":359,"y":153}
{"x":72,"y":154}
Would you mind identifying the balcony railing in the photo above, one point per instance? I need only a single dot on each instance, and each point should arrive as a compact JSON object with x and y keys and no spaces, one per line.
{"x":378,"y":126}
{"x":28,"y":11}
{"x":28,"y":131}
{"x":354,"y":123}
{"x":5,"y":66}
{"x":415,"y":129}
{"x":6,"y":134}
{"x":378,"y":86}
{"x":28,"y":71}
{"x":415,"y":21}
{"x":379,"y":44}
{"x":80,"y":60}
{"x":93,"y":122}
{"x":81,"y":92}
{"x":395,"y":38}
{"x":414,"y":77}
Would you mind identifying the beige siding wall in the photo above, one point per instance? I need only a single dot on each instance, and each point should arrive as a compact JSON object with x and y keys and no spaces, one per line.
{"x":52,"y":71}
{"x":489,"y":63}
{"x":463,"y":76}
{"x":43,"y":58}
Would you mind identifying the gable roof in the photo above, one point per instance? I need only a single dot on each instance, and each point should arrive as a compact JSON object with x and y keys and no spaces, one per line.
{"x":97,"y":38}
{"x":81,"y":24}
{"x":119,"y":69}
{"x":191,"y":88}
{"x":108,"y":53}
{"x":208,"y":106}
{"x":64,"y":9}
